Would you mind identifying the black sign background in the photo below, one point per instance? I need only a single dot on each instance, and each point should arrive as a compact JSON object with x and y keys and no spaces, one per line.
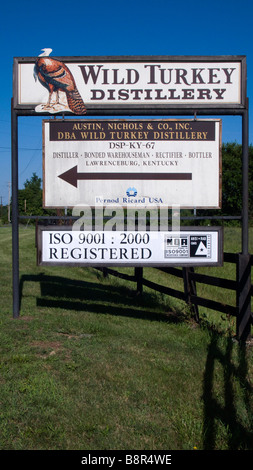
{"x":132,"y":130}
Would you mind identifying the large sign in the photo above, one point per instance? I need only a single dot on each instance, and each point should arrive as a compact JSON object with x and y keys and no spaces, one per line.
{"x":191,"y":247}
{"x":73,"y":85}
{"x":137,"y":163}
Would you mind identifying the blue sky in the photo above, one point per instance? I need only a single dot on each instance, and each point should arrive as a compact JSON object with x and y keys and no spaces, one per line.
{"x":113,"y":27}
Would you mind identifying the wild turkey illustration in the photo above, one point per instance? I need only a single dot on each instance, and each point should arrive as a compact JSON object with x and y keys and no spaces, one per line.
{"x":55,"y":76}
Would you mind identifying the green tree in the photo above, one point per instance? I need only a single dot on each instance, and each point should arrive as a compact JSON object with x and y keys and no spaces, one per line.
{"x":232,"y":181}
{"x":30,"y":198}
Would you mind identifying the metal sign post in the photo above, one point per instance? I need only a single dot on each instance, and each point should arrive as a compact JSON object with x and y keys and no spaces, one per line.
{"x":243,"y":300}
{"x":14,"y":216}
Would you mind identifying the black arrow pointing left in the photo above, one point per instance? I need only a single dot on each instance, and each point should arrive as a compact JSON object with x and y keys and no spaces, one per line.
{"x":72,"y":176}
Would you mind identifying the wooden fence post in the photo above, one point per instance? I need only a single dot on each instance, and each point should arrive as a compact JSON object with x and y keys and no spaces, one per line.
{"x":243,"y":297}
{"x":139,"y":277}
{"x":105,"y":272}
{"x":190,"y":290}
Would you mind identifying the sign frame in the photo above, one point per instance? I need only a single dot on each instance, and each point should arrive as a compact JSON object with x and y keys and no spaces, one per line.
{"x":241,"y":109}
{"x":196,"y":231}
{"x":144,"y":107}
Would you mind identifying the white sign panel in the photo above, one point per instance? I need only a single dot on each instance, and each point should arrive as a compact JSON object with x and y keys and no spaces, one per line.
{"x":61,"y":246}
{"x":137,"y":163}
{"x":128,"y":82}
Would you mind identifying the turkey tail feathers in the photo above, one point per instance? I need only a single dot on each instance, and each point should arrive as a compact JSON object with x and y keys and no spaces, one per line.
{"x":75,"y":102}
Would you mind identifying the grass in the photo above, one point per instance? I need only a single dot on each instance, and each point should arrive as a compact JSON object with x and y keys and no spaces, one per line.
{"x":91,"y":366}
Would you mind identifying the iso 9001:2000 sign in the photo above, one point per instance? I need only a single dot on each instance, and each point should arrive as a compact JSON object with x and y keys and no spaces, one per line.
{"x":86,"y":248}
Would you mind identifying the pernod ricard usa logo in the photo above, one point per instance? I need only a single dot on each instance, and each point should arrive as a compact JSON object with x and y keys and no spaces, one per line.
{"x":131,"y":192}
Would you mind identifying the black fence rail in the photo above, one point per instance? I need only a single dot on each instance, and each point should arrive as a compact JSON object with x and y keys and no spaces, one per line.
{"x":190,"y":279}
